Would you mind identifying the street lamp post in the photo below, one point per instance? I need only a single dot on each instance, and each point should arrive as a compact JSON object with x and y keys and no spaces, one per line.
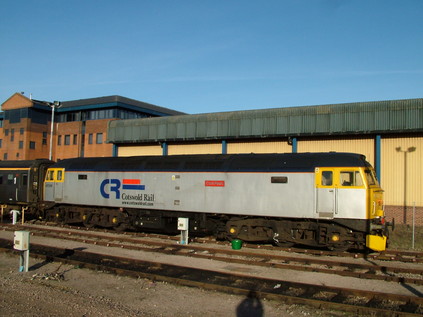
{"x":409,"y":150}
{"x":54,"y":105}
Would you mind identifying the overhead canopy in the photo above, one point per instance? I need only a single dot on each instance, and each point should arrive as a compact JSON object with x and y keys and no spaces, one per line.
{"x":377,"y":117}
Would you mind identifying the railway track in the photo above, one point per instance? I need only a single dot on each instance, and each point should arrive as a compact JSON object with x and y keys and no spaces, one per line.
{"x":391,"y":272}
{"x":322,"y":297}
{"x":387,"y":255}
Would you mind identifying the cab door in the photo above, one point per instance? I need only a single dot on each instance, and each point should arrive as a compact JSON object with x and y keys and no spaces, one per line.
{"x":58,"y":184}
{"x":325,"y":192}
{"x":11,"y":190}
{"x":54,"y":184}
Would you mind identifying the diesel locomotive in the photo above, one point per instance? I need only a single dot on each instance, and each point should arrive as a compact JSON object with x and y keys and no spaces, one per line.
{"x":316,"y":199}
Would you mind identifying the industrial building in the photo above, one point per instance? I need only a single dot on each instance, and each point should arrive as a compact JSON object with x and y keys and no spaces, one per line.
{"x":388,"y":133}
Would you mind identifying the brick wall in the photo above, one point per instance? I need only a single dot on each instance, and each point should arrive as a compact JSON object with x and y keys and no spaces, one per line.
{"x":67,"y":140}
{"x":93,"y":128}
{"x":404,"y":215}
{"x":25,"y":140}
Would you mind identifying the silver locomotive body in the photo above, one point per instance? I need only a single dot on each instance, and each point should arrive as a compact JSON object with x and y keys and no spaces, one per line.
{"x":255,"y":197}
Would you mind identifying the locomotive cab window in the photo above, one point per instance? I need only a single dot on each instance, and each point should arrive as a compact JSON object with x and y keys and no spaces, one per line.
{"x":327,"y":178}
{"x":370,"y":177}
{"x":55,"y":175}
{"x":351,"y":178}
{"x":50,"y":176}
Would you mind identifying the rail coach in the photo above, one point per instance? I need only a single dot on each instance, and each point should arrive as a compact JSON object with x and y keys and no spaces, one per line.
{"x":317,"y":199}
{"x":22,"y":184}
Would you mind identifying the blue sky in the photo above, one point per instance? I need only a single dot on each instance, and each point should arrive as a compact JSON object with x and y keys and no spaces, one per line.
{"x":200,"y":56}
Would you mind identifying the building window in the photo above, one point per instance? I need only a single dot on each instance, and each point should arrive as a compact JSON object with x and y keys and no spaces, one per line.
{"x":6,"y":132}
{"x":21,"y":131}
{"x":59,"y":140}
{"x":44,"y":138}
{"x":21,"y":144}
{"x":99,"y":138}
{"x":90,"y":138}
{"x":75,"y":139}
{"x":67,"y":139}
{"x":32,"y":145}
{"x":17,"y":155}
{"x":0,"y":142}
{"x":5,"y":156}
{"x":12,"y":138}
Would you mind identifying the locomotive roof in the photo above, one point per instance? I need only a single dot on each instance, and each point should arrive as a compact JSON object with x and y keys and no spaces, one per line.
{"x":24,"y":163}
{"x":217,"y":162}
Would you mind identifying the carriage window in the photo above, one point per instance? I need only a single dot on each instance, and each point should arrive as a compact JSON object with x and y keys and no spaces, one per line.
{"x":1,"y":179}
{"x":59,"y":175}
{"x":327,"y":178}
{"x":82,"y":176}
{"x":10,"y":179}
{"x":24,"y":179}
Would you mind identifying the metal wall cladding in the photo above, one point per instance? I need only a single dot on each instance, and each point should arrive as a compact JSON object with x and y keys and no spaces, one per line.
{"x":354,"y":118}
{"x":141,"y":150}
{"x":185,"y":149}
{"x":365,"y":146}
{"x":259,"y":147}
{"x":402,"y":170}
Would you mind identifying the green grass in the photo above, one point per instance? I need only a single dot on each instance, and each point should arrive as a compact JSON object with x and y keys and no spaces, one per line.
{"x":401,"y":238}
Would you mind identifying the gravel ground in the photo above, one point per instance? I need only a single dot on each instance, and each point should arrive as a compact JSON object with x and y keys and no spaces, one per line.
{"x":55,"y":289}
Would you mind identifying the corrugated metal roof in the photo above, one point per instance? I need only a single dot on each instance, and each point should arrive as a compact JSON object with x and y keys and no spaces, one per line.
{"x":391,"y":116}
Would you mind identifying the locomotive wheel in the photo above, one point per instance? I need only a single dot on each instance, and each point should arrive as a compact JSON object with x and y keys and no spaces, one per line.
{"x":88,"y":224}
{"x":121,"y":227}
{"x":283,"y":244}
{"x":339,"y":247}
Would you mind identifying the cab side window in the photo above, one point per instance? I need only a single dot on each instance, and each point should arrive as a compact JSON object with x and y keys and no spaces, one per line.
{"x":327,"y":178}
{"x":347,"y":178}
{"x":50,"y":175}
{"x":351,"y":178}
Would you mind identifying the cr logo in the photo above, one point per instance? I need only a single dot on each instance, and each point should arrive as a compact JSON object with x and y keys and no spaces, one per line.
{"x":113,"y":187}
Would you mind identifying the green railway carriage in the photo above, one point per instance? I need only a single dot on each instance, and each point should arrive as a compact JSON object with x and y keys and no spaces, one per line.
{"x":21,"y":184}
